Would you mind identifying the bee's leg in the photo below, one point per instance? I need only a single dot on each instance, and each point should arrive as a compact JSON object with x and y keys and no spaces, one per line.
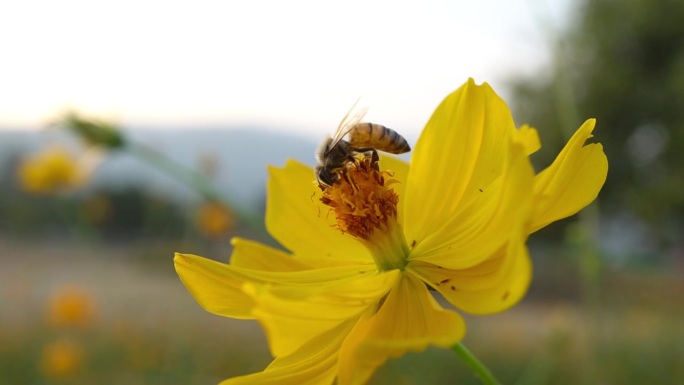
{"x":375,"y":158}
{"x":337,"y":176}
{"x":373,"y":154}
{"x":369,"y":151}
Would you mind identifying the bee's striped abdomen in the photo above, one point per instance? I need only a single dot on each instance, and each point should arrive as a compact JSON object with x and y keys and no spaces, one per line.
{"x":379,"y":137}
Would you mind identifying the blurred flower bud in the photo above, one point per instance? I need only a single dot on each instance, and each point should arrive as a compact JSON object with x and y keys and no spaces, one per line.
{"x":95,"y":133}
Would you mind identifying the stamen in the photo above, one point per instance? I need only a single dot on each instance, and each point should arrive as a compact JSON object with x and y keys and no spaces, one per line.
{"x":360,"y":200}
{"x":366,"y":208}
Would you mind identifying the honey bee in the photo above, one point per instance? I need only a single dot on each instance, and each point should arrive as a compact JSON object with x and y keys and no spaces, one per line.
{"x":335,"y":153}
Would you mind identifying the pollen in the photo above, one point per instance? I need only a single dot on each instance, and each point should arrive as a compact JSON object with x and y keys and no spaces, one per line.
{"x":362,"y":200}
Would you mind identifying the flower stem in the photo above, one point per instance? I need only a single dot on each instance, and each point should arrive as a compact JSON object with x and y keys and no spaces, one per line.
{"x":191,"y":178}
{"x":180,"y":172}
{"x":475,"y":365}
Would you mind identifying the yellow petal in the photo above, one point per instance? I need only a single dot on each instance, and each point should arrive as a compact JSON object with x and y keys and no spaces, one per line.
{"x":486,"y":223}
{"x":212,"y":285}
{"x":399,"y":170}
{"x":572,"y":181}
{"x":254,"y":255}
{"x":219,"y":288}
{"x":490,"y":287}
{"x":293,"y":315}
{"x":409,"y":320}
{"x":459,"y":152}
{"x":529,"y":138}
{"x":300,"y":222}
{"x":315,"y":363}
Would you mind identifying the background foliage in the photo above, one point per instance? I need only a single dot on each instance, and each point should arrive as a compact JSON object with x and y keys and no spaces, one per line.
{"x":621,"y":62}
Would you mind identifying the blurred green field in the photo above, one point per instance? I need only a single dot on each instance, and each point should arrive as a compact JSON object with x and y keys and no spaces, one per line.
{"x":144,"y":328}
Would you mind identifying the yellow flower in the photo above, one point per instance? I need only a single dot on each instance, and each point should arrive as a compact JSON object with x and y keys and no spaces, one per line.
{"x":61,"y":358}
{"x":54,"y":169}
{"x":353,"y":289}
{"x":214,"y":219}
{"x":70,"y":306}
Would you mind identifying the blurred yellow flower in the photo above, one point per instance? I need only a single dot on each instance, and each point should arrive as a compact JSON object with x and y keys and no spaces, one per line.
{"x":70,"y":306}
{"x":214,"y":219}
{"x":353,"y":290}
{"x":61,"y":358}
{"x":54,"y":169}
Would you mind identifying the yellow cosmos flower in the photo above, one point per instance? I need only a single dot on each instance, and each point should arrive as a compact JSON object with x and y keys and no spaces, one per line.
{"x":353,"y":290}
{"x":55,"y":169}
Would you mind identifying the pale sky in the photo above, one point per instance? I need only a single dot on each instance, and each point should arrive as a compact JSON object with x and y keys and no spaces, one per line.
{"x":297,"y":64}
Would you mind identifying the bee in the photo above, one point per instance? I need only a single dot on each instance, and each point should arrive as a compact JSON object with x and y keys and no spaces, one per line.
{"x":335,"y":153}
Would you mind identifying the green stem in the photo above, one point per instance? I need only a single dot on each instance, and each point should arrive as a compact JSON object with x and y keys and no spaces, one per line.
{"x":191,"y":178}
{"x":72,"y":219}
{"x":475,"y":365}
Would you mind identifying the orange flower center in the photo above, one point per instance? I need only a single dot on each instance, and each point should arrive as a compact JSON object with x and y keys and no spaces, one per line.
{"x":365,"y":206}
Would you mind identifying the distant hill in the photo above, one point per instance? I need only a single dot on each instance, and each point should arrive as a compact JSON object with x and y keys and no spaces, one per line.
{"x":241,"y":154}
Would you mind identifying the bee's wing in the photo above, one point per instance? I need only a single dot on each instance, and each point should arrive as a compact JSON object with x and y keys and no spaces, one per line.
{"x":347,"y":123}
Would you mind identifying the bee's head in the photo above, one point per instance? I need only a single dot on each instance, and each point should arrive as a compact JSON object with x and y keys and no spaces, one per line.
{"x":324,"y":177}
{"x":323,"y":149}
